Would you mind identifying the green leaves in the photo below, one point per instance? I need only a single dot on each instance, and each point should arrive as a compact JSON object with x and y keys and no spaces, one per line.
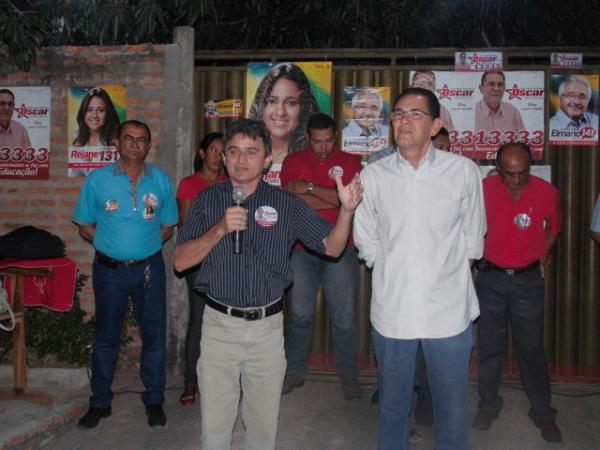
{"x":280,"y":24}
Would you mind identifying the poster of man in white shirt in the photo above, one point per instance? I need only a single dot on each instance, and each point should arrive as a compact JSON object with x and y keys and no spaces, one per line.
{"x":573,"y":110}
{"x":366,"y":119}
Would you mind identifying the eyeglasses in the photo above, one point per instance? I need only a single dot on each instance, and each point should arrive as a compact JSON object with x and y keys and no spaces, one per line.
{"x":142,"y":140}
{"x":575,"y":97}
{"x":412,"y":114}
{"x":493,"y":84}
{"x":9,"y":104}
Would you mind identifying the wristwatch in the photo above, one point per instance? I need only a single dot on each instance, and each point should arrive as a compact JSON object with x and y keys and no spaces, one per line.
{"x":309,"y":187}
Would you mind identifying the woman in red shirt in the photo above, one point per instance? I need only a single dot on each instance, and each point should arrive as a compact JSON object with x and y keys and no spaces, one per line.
{"x":208,"y":170}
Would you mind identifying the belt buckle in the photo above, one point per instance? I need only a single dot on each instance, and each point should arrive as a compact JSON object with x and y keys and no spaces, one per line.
{"x":254,"y":314}
{"x":510,"y":272}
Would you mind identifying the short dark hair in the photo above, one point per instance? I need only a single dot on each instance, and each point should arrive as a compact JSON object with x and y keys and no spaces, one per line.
{"x":206,"y":141}
{"x":137,"y":124}
{"x":486,"y":73}
{"x":520,"y":145}
{"x":433,"y":104}
{"x":252,"y":129}
{"x":320,"y":121}
{"x":442,"y":132}
{"x":9,"y":92}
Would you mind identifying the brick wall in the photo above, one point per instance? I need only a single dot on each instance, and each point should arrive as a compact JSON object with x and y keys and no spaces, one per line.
{"x":159,"y":86}
{"x":49,"y":204}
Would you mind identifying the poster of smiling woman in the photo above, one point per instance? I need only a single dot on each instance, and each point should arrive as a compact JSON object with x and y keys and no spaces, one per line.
{"x":573,"y":110}
{"x":284,"y":95}
{"x":94,"y":117}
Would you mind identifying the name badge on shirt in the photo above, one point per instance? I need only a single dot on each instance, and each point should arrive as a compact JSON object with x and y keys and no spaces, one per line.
{"x":335,"y":170}
{"x":150,"y":199}
{"x":150,"y":203}
{"x":522,"y":221}
{"x":266,"y":216}
{"x":111,"y":205}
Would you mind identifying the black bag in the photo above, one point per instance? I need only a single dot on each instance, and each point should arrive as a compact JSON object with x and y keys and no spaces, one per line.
{"x":31,"y":243}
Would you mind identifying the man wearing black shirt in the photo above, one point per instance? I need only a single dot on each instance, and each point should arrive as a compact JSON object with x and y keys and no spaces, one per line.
{"x":242,"y":330}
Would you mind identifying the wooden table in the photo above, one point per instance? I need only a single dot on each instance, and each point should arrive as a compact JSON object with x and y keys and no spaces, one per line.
{"x":19,"y":391}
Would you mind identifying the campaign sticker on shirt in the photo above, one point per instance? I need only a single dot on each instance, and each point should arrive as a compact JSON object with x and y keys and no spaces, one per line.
{"x":150,"y":199}
{"x":522,"y":221}
{"x":336,"y":170}
{"x":149,"y":212}
{"x":266,"y":216}
{"x":111,"y":205}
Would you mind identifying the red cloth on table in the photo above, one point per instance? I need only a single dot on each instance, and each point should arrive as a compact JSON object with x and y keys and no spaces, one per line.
{"x":54,"y":292}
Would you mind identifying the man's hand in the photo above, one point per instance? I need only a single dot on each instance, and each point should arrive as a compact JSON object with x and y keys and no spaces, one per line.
{"x":193,"y":252}
{"x":235,"y":218}
{"x":297,"y":187}
{"x":351,"y":194}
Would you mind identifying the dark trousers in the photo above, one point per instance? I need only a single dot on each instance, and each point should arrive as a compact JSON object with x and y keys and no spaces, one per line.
{"x":194,"y":329}
{"x":113,"y":287}
{"x":517,"y":300}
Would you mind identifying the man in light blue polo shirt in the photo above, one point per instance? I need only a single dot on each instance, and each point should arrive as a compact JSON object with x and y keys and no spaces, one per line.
{"x":127,"y":210}
{"x":596,"y":221}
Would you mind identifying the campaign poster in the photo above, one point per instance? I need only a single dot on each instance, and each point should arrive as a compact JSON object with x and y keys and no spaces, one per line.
{"x":95,"y":113}
{"x":566,"y":60}
{"x":573,"y":110}
{"x":219,"y":109}
{"x":25,"y":132}
{"x":284,"y":95}
{"x":477,"y":61}
{"x":486,"y":113}
{"x":366,"y":119}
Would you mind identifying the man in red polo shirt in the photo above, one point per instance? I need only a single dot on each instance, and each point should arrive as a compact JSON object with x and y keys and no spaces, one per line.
{"x":524,"y":220}
{"x":310,"y":174}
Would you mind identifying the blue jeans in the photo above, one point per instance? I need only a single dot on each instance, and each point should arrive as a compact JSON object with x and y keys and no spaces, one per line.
{"x":447,"y":361}
{"x":112,"y":289}
{"x":339,"y":278}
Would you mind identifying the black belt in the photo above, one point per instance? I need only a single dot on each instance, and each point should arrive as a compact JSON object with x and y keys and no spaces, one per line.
{"x":107,"y":261}
{"x":248,"y":314}
{"x":484,"y":264}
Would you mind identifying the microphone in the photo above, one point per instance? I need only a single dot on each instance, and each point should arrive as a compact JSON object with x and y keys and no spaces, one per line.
{"x":238,"y":235}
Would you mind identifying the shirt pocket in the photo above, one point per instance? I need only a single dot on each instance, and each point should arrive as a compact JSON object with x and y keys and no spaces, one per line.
{"x":444,"y":210}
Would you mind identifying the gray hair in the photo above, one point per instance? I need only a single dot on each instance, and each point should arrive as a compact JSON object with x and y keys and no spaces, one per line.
{"x":577,"y":79}
{"x":367,"y":91}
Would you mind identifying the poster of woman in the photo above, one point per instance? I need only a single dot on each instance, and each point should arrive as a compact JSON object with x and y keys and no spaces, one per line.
{"x":284,"y":96}
{"x":94,"y":117}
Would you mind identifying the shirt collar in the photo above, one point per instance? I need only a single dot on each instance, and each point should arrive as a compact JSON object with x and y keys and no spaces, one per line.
{"x":428,"y":159}
{"x":487,"y":111}
{"x":8,"y":130}
{"x":118,"y":168}
{"x":568,"y":122}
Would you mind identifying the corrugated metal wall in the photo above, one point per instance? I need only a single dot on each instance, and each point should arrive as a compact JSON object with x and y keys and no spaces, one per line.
{"x":573,"y":283}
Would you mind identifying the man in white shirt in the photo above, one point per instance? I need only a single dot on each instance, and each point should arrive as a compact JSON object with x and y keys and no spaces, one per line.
{"x":420,"y":226}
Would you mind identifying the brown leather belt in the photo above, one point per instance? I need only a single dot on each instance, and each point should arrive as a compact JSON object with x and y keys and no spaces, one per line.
{"x":247,"y":314}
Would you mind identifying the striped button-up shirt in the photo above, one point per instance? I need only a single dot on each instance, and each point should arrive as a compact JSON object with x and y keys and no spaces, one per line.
{"x":260,"y":274}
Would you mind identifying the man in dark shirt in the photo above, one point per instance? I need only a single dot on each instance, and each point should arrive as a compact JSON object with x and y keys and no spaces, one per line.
{"x":242,"y":329}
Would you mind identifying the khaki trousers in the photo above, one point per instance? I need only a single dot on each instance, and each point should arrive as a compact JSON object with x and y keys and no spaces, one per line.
{"x":240,"y":355}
